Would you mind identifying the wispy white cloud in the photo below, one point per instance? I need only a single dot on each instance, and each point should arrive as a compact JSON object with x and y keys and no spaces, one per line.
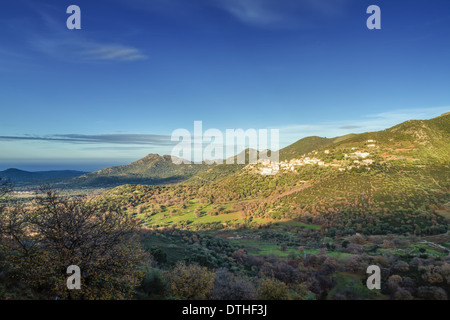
{"x":112,"y":139}
{"x":256,"y":13}
{"x":280,"y":13}
{"x":54,"y":41}
{"x":77,"y":49}
{"x":114,"y":52}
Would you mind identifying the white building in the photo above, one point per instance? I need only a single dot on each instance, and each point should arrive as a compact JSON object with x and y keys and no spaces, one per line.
{"x":362,"y":154}
{"x":367,"y":161}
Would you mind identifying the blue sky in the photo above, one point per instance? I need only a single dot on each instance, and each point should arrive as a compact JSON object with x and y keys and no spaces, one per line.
{"x":139,"y":69}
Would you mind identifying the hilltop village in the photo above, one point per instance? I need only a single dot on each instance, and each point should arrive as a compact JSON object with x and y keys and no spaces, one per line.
{"x":347,"y":161}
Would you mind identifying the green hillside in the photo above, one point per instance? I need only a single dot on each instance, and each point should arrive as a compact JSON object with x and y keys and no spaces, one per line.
{"x":420,"y":141}
{"x":379,"y":198}
{"x":403,"y":189}
{"x":218,"y":172}
{"x":308,"y":144}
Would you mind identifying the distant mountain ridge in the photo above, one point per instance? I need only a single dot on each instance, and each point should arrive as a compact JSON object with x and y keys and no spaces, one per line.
{"x":152,"y":169}
{"x":17,"y":175}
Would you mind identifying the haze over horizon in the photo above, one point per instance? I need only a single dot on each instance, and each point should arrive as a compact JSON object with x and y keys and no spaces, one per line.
{"x":113,"y":92}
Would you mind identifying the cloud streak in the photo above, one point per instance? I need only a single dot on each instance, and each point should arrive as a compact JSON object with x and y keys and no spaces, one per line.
{"x":282,"y":13}
{"x":255,"y":13}
{"x":120,"y":139}
{"x":114,"y":52}
{"x":53,"y":40}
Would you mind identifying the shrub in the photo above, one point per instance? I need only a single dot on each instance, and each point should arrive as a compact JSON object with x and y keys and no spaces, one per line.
{"x":301,"y":292}
{"x":153,"y":284}
{"x":230,"y":287}
{"x":431,"y":293}
{"x":190,"y":282}
{"x":270,"y":289}
{"x":403,"y":294}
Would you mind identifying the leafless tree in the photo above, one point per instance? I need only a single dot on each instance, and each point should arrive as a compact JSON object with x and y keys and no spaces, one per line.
{"x":54,"y":233}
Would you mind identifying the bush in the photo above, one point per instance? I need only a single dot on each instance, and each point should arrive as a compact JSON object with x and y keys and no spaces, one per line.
{"x":400,"y":266}
{"x":190,"y":282}
{"x":153,"y":284}
{"x":159,"y":255}
{"x":270,"y":289}
{"x":431,"y":293}
{"x":403,"y":294}
{"x":301,"y":292}
{"x":230,"y":287}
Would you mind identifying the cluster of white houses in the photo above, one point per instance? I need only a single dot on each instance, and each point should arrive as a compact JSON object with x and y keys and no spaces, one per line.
{"x":359,"y":158}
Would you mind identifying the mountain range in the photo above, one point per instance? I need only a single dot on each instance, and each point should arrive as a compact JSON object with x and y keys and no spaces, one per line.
{"x":420,"y":141}
{"x":21,"y":176}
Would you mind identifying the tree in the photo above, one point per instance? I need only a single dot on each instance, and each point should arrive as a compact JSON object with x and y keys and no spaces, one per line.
{"x":403,"y":294}
{"x":158,"y":255}
{"x":329,"y":266}
{"x":270,"y":289}
{"x":394,"y":283}
{"x":153,"y":285}
{"x":5,"y":188}
{"x":55,"y":233}
{"x":230,"y":287}
{"x":431,"y":293}
{"x":400,"y":266}
{"x":190,"y":282}
{"x":300,"y":291}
